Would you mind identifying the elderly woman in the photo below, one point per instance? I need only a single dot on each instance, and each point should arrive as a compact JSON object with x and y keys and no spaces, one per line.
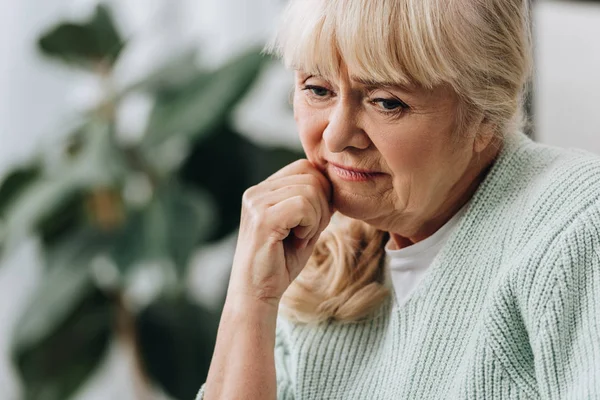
{"x":462,"y":260}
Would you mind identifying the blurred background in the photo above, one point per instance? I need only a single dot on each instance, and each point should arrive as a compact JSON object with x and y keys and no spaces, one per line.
{"x":128,"y":131}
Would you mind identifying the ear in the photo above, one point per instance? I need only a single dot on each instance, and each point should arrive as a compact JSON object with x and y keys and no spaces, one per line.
{"x":484,"y":135}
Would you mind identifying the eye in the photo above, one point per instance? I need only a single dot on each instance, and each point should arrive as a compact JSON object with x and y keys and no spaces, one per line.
{"x":317,"y":91}
{"x":390,"y":104}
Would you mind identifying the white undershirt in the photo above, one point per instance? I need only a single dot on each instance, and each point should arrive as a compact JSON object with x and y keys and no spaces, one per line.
{"x":407,"y":266}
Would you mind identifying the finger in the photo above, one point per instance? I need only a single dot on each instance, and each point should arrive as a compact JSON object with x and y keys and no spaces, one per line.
{"x":288,"y":180}
{"x":301,"y":167}
{"x":294,"y":168}
{"x":302,"y":232}
{"x":313,"y":194}
{"x":267,"y":194}
{"x":290,"y":213}
{"x":304,"y":179}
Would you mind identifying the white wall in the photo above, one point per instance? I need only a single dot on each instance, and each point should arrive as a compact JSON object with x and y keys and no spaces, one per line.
{"x":31,"y":92}
{"x":567,"y":97}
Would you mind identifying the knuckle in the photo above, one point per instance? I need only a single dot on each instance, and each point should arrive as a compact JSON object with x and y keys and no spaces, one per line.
{"x":313,"y":180}
{"x":303,"y":202}
{"x":306,"y":207}
{"x":248,"y":203}
{"x":304,"y":163}
{"x":248,"y":194}
{"x":313,"y":192}
{"x":251,"y":197}
{"x":254,"y":216}
{"x":252,"y":207}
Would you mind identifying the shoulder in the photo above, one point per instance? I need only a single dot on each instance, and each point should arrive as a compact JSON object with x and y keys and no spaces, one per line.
{"x":564,"y":187}
{"x":536,"y":190}
{"x":565,"y":288}
{"x":555,"y":217}
{"x":552,"y":177}
{"x":563,"y":174}
{"x":540,"y":205}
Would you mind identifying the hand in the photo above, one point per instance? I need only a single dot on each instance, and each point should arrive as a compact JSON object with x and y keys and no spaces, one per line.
{"x":282,"y":218}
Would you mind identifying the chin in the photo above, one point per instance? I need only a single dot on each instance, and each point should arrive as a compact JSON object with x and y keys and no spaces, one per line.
{"x":355,"y":207}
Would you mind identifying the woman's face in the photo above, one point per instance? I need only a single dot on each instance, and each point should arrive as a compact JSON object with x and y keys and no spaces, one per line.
{"x":413,"y":170}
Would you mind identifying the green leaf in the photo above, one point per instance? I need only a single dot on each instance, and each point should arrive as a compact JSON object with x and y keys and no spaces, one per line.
{"x":176,"y":73}
{"x":169,"y":228}
{"x":37,"y":207}
{"x":100,"y":162}
{"x":65,"y":331}
{"x":177,"y":339}
{"x":14,"y":184}
{"x":57,"y":367}
{"x":195,"y":110}
{"x":246,"y":165}
{"x":68,"y":215}
{"x":191,"y":220}
{"x":38,"y":202}
{"x":108,"y":39}
{"x":89,"y":44}
{"x":129,"y":247}
{"x":67,"y":280}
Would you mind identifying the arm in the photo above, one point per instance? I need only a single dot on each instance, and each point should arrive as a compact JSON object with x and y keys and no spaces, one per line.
{"x":281,"y":221}
{"x":566,"y":343}
{"x":243,"y":365}
{"x":282,"y":366}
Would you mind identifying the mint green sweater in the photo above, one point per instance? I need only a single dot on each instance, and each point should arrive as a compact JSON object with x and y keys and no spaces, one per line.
{"x":509,"y":309}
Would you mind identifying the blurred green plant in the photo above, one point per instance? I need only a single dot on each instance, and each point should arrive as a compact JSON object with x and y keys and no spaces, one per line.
{"x":95,"y":234}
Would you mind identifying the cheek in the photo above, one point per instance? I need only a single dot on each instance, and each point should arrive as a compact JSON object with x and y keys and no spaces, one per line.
{"x":310,"y":129}
{"x":405,"y":156}
{"x":414,"y":163}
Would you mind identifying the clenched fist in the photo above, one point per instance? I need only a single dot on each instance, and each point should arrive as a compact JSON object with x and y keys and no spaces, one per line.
{"x":282,"y":218}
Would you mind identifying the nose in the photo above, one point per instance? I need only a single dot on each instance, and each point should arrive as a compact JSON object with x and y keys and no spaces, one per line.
{"x":343,"y":129}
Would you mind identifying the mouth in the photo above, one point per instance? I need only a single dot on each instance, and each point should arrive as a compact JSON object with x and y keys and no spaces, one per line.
{"x":353,"y":174}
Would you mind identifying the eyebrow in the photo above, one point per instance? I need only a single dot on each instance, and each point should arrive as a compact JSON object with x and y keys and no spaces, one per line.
{"x":376,"y":84}
{"x":368,"y":83}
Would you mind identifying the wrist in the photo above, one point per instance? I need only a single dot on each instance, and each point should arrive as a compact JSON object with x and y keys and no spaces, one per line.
{"x":243,"y":294}
{"x":251,"y":309}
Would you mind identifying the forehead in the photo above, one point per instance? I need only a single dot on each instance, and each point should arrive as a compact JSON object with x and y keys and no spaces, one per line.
{"x":384,"y":43}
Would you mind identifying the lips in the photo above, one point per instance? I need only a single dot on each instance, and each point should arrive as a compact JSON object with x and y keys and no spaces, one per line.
{"x":356,"y":170}
{"x":351,"y":174}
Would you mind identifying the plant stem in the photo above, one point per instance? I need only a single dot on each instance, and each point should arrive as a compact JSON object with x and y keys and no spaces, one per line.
{"x":126,"y":333}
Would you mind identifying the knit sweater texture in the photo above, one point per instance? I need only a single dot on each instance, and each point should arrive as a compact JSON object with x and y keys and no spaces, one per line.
{"x":509,"y":309}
